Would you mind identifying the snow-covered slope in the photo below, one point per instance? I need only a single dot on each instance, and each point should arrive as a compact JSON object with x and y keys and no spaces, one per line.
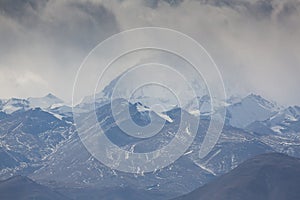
{"x":285,"y":122}
{"x":286,"y":116}
{"x":11,"y":105}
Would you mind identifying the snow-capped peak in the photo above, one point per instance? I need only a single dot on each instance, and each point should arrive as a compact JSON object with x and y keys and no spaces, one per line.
{"x":250,"y":109}
{"x":44,"y":102}
{"x":261,"y":101}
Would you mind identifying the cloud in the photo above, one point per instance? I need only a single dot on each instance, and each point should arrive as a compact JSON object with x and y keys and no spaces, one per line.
{"x":14,"y":81}
{"x":50,"y":39}
{"x":254,"y":43}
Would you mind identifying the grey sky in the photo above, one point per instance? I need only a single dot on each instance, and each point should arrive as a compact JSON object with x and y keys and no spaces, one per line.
{"x":255,"y":43}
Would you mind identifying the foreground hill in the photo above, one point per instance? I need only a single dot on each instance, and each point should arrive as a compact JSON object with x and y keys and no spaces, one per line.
{"x":265,"y":177}
{"x":23,"y":188}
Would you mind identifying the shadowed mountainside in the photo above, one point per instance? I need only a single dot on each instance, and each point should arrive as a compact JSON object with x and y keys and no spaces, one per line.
{"x":23,"y":188}
{"x":271,"y":176}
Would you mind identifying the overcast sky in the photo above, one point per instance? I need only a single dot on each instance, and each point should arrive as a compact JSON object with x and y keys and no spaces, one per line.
{"x":255,"y":43}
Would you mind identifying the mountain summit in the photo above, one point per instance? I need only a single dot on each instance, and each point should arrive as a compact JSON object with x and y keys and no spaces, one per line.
{"x":44,"y":102}
{"x":250,"y":109}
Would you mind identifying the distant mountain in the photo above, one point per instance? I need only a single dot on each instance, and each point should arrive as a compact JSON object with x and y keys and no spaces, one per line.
{"x":14,"y":104}
{"x":142,"y":96}
{"x":250,"y":109}
{"x":265,"y":177}
{"x":44,"y":102}
{"x":23,"y":188}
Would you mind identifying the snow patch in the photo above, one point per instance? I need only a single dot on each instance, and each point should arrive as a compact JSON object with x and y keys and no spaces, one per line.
{"x":166,"y":117}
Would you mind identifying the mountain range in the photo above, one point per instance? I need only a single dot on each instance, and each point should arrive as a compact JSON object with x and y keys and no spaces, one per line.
{"x":38,"y":140}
